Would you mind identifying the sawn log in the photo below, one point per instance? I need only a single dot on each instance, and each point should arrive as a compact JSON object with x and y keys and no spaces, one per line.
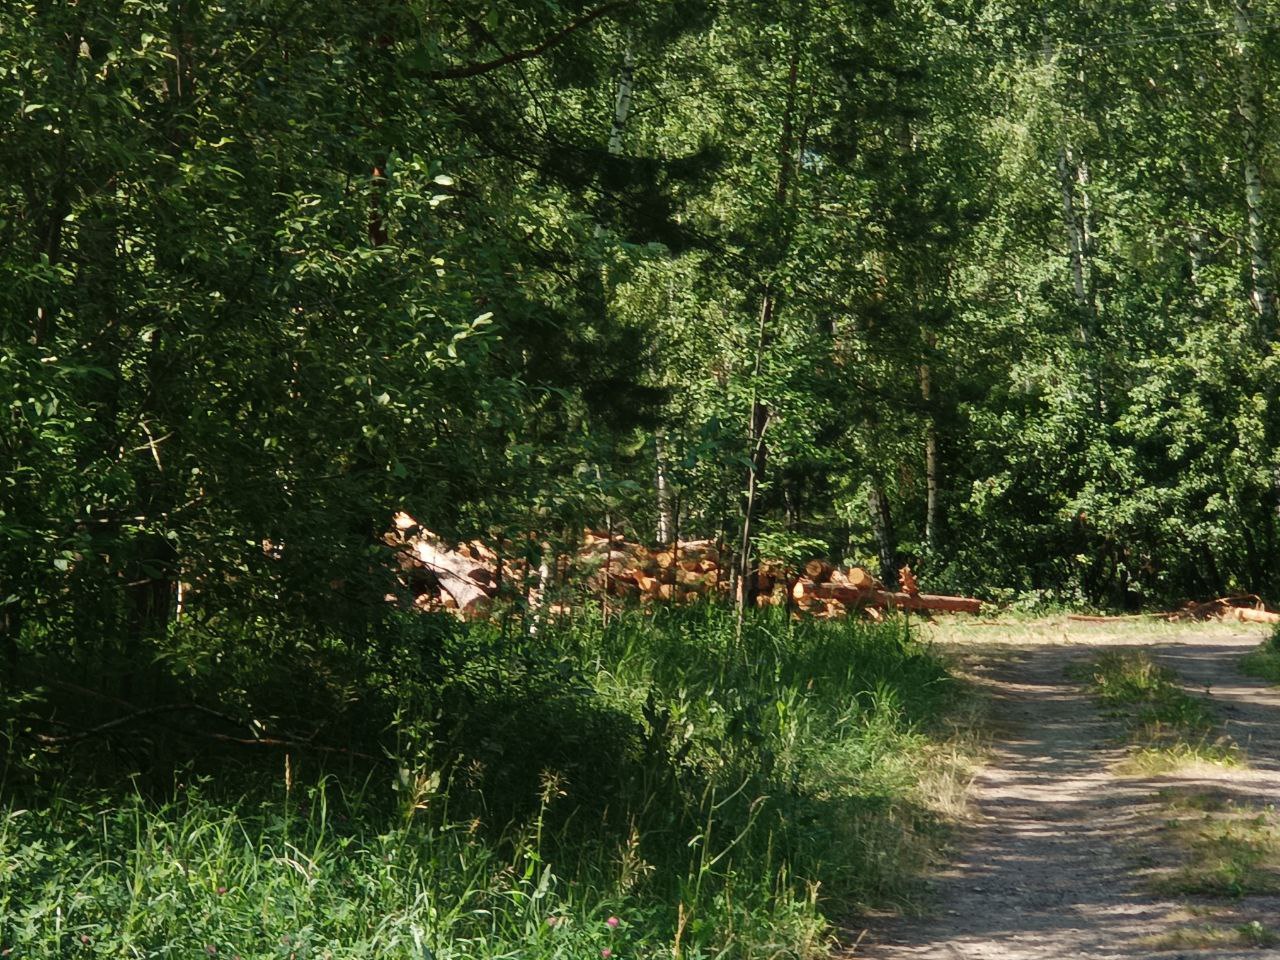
{"x":456,"y":573}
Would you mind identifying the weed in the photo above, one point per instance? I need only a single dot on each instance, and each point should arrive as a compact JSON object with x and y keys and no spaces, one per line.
{"x":1208,"y":936}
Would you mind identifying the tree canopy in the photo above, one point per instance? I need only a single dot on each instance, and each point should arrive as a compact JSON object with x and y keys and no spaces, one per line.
{"x":984,"y":286}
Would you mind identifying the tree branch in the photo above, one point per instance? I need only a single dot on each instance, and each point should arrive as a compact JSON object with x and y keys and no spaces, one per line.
{"x":132,"y":717}
{"x":516,"y":56}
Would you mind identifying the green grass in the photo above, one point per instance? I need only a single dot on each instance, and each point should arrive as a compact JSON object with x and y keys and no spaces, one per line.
{"x":1265,"y":661}
{"x":1170,"y":727}
{"x":1210,"y":936}
{"x":1225,"y":856}
{"x":720,"y":798}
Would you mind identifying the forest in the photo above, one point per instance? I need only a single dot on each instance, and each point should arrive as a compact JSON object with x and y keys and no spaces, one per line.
{"x":980,"y":288}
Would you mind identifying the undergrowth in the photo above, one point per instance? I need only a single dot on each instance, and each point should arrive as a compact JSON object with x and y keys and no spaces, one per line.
{"x":1225,"y":857}
{"x":655,"y":787}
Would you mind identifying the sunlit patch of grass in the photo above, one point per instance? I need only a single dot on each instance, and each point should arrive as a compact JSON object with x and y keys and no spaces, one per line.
{"x":1179,"y":755}
{"x":1205,"y":801}
{"x":1132,"y":679}
{"x":1060,"y":630}
{"x":1172,"y":728}
{"x":1208,"y":936}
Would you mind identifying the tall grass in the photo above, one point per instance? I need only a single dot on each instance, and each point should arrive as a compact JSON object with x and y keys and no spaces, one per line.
{"x":715,"y":797}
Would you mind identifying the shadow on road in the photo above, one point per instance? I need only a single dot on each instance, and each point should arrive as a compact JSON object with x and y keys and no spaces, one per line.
{"x":1046,"y":869}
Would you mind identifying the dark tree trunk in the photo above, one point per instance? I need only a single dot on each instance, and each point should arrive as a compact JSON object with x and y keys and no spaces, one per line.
{"x":10,"y":623}
{"x":882,"y":529}
{"x":760,"y":412}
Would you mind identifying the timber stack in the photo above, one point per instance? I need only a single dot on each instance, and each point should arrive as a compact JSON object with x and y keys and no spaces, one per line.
{"x":467,"y":577}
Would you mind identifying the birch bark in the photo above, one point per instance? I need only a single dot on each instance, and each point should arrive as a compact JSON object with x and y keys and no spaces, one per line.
{"x":932,"y":513}
{"x":666,"y":520}
{"x":1260,"y":295}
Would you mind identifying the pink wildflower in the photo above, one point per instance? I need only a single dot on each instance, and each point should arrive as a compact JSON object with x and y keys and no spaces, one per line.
{"x":84,"y":938}
{"x":222,"y":891}
{"x":613,"y":922}
{"x":606,"y":953}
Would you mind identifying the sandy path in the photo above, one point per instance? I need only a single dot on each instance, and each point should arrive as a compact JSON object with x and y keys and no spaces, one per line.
{"x":1047,"y":867}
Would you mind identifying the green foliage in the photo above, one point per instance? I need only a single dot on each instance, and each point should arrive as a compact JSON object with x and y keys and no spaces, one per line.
{"x":272,"y":274}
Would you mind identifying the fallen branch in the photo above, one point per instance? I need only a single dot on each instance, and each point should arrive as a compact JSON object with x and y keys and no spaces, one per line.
{"x":132,"y":718}
{"x":278,"y":744}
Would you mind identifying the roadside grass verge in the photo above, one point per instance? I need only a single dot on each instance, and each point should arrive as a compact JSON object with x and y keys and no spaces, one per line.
{"x":1264,"y":662}
{"x":1169,"y":727}
{"x":653,"y":788}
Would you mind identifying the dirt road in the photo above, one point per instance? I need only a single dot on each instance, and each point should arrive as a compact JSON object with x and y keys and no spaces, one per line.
{"x":1052,"y":864}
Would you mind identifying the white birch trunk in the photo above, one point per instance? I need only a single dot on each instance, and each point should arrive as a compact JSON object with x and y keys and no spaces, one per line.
{"x":622,"y":101}
{"x":666,"y":522}
{"x":1075,"y":241}
{"x":1069,"y":176}
{"x":1073,"y":178}
{"x":932,"y":503}
{"x":543,"y":595}
{"x":1250,"y":109}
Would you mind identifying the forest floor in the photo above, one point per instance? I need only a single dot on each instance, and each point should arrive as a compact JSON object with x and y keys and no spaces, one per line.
{"x":1072,"y":848}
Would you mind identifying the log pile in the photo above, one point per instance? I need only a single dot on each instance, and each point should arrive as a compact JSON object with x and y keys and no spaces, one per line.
{"x":829,"y":592}
{"x":440,"y":577}
{"x":467,"y":577}
{"x":1244,"y":608}
{"x":683,"y":573}
{"x":1247,"y":608}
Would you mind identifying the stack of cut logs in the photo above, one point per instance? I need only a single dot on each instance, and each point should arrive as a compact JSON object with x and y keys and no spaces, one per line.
{"x":684,"y":572}
{"x":441,"y":577}
{"x":1247,"y":608}
{"x":828,"y":591}
{"x":465,"y":578}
